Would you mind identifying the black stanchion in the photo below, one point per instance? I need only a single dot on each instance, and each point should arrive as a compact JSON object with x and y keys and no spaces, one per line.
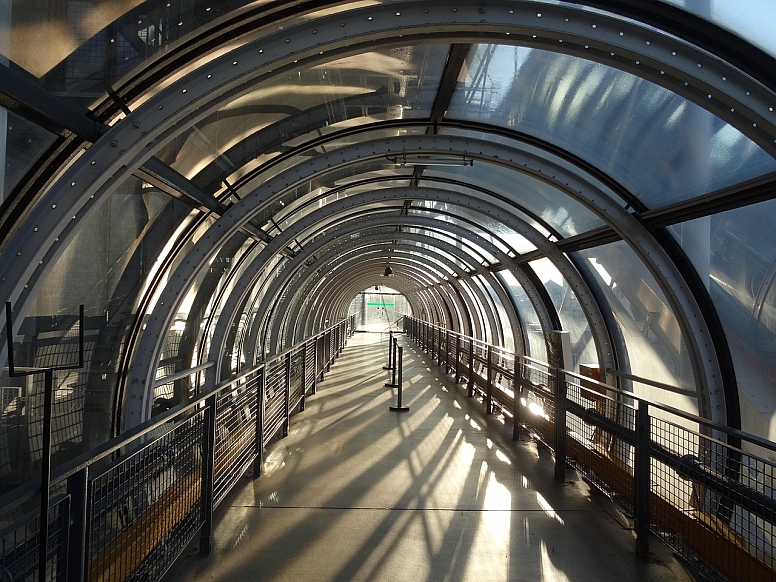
{"x":399,"y":407}
{"x":390,"y":346}
{"x":392,"y":383}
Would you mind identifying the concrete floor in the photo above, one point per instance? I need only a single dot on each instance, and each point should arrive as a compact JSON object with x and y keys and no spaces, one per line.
{"x":439,"y":493}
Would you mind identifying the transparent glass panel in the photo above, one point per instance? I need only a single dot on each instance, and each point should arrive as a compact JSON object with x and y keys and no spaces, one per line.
{"x":491,"y":230}
{"x":545,"y":204}
{"x":478,"y":254}
{"x":285,"y":111}
{"x":654,"y":342}
{"x":537,"y":348}
{"x":735,"y":255}
{"x":572,"y":316}
{"x":660,"y":146}
{"x":106,"y":267}
{"x":90,"y":45}
{"x":508,"y":340}
{"x":754,"y":20}
{"x":21,"y":144}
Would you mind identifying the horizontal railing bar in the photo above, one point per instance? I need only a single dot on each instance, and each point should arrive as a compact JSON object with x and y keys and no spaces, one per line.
{"x":182,"y":374}
{"x":654,"y":383}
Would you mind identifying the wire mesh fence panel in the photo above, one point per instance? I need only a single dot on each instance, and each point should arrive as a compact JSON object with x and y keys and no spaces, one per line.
{"x":146,"y":508}
{"x":297,"y":376}
{"x":235,"y":444}
{"x":20,"y":545}
{"x":713,"y":503}
{"x":537,"y":400}
{"x":503,"y":363}
{"x":599,"y":441}
{"x":275,"y":399}
{"x":309,"y":372}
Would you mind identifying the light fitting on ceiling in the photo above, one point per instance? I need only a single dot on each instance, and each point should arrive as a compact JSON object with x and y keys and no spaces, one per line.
{"x":425,"y":160}
{"x":388,"y":271}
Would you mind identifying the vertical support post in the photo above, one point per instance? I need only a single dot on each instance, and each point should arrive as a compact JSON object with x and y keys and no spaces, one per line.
{"x":208,"y":462}
{"x":315,"y":368}
{"x":517,"y":381}
{"x":399,"y":364}
{"x":470,"y":384}
{"x":447,"y":352}
{"x":287,"y":397}
{"x":489,"y":386}
{"x":78,"y":490}
{"x":560,"y":425}
{"x":390,"y":347}
{"x":457,"y":359}
{"x":328,"y":350}
{"x":641,"y":478}
{"x":45,"y":473}
{"x":304,"y":377}
{"x":258,"y":462}
{"x":439,"y":348}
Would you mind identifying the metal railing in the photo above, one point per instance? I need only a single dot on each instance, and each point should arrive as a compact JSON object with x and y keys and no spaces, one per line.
{"x":126,"y":510}
{"x":704,"y":489}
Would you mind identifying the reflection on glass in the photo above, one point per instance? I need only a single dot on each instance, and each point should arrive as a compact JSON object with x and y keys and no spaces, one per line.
{"x":654,"y":343}
{"x":21,"y":144}
{"x":660,"y":146}
{"x":572,"y":316}
{"x":106,"y":268}
{"x":545,"y":203}
{"x":532,"y":328}
{"x":394,"y":83}
{"x":735,"y":255}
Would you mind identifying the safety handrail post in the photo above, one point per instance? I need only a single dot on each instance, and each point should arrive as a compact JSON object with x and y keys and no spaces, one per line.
{"x":489,"y":386}
{"x":641,"y":480}
{"x":208,"y":463}
{"x":439,"y":348}
{"x":457,"y":359}
{"x":470,"y":382}
{"x":517,"y":376}
{"x":287,"y":395}
{"x":304,"y":378}
{"x":447,"y":352}
{"x":78,"y":490}
{"x":258,"y":461}
{"x":560,"y":425}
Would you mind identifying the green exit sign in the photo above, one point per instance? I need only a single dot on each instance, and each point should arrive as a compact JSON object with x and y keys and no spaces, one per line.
{"x":380,"y":304}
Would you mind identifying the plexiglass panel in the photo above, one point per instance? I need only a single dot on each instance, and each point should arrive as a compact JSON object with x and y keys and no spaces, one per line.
{"x":394,"y":83}
{"x":106,"y":267}
{"x":21,"y":144}
{"x":735,"y":255}
{"x":654,"y":342}
{"x":544,"y":202}
{"x":536,"y":348}
{"x":660,"y":146}
{"x":89,"y":45}
{"x":572,"y":317}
